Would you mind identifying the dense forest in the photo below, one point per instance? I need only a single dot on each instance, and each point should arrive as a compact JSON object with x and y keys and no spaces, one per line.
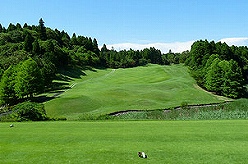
{"x":219,"y":68}
{"x":30,"y":57}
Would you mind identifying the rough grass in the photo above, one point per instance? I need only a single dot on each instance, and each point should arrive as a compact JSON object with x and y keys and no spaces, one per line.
{"x":237,"y":109}
{"x":118,"y":142}
{"x":140,"y":88}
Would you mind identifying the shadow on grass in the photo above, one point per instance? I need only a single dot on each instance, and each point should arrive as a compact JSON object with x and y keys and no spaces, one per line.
{"x":42,"y":99}
{"x":67,"y":74}
{"x":61,"y":83}
{"x":58,"y":86}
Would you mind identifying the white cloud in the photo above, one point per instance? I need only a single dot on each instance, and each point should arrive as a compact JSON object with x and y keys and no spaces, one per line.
{"x":174,"y":46}
{"x":235,"y":41}
{"x":164,"y":47}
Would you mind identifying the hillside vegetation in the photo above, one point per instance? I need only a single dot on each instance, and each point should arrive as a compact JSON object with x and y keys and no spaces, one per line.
{"x":219,"y":68}
{"x":141,"y":88}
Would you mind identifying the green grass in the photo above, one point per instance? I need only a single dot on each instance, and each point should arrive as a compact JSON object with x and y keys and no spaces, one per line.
{"x":237,"y":109}
{"x":118,"y":142}
{"x":142,"y":88}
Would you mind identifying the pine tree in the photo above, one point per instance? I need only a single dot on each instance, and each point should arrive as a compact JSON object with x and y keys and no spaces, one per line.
{"x":28,"y":42}
{"x":36,"y":47}
{"x":11,"y":27}
{"x":95,"y":47}
{"x":74,"y":39}
{"x":18,"y":26}
{"x":1,"y":28}
{"x":42,"y":30}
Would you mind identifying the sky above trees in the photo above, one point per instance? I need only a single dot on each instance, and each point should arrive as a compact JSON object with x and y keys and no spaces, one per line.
{"x":164,"y":24}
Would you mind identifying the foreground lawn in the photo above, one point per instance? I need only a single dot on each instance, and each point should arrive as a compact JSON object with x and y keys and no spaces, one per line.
{"x":118,"y":142}
{"x":142,"y":88}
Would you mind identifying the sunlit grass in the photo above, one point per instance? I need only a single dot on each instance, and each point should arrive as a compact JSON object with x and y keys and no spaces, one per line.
{"x":141,"y":88}
{"x":118,"y":142}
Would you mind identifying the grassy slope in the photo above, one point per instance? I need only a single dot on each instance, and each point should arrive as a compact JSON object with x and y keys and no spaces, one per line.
{"x":105,"y":91}
{"x":118,"y":142}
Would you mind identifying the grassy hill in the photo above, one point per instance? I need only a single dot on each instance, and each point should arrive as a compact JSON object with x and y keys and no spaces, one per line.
{"x":181,"y":142}
{"x":103,"y":91}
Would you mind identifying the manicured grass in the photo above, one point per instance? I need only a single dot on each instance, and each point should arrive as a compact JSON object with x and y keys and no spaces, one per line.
{"x":142,"y":88}
{"x":118,"y":142}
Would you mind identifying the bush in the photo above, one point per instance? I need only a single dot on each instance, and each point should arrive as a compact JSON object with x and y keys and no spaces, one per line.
{"x":29,"y":111}
{"x":184,"y":105}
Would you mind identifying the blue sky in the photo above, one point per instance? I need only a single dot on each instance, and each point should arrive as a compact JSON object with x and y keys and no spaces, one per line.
{"x":165,"y":24}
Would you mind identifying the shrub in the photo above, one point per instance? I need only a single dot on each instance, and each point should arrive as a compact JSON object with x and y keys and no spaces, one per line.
{"x":29,"y":111}
{"x":184,"y":105}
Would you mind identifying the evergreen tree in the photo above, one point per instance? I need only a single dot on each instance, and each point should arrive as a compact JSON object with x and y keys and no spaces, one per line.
{"x":11,"y":27}
{"x":50,"y":46}
{"x":104,"y":48}
{"x":25,"y":25}
{"x":42,"y":30}
{"x":1,"y":28}
{"x":103,"y":55}
{"x":36,"y":47}
{"x":154,"y":56}
{"x":74,"y":40}
{"x":88,"y":44}
{"x":95,"y":46}
{"x":28,"y":42}
{"x":18,"y":26}
{"x":65,"y":39}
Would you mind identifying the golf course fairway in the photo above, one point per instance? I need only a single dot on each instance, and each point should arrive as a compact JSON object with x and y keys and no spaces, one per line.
{"x":119,"y":141}
{"x":141,"y":88}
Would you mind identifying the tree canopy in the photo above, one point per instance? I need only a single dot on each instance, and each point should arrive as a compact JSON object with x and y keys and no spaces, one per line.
{"x":219,"y":68}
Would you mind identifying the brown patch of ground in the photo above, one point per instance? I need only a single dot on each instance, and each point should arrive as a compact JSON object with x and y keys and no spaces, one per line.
{"x":217,"y":96}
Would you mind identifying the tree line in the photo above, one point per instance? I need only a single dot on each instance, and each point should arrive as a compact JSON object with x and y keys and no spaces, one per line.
{"x":219,"y":68}
{"x":31,"y":55}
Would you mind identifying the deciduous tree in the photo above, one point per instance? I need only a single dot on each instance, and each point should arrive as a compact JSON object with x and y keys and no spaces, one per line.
{"x":233,"y":81}
{"x":7,"y":91}
{"x":28,"y":80}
